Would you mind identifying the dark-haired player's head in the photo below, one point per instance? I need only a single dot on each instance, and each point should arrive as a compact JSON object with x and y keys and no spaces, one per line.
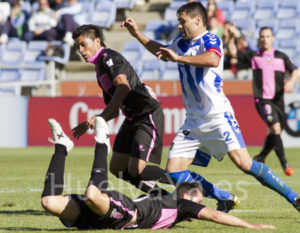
{"x":192,"y":19}
{"x":89,"y":39}
{"x":189,"y":191}
{"x":266,"y":39}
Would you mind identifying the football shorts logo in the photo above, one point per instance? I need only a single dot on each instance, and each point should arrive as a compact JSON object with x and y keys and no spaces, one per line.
{"x":109,"y":63}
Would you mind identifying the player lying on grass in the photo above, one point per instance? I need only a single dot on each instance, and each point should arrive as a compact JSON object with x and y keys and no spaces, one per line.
{"x":99,"y":208}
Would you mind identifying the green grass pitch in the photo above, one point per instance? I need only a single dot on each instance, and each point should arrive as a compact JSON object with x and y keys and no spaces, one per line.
{"x":22,"y":174}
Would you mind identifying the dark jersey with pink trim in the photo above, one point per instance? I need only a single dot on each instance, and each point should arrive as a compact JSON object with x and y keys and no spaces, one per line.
{"x":164,"y":212}
{"x":141,"y":98}
{"x":268,"y":72}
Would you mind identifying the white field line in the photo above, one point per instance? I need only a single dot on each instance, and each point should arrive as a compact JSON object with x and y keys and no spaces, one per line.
{"x":31,"y":189}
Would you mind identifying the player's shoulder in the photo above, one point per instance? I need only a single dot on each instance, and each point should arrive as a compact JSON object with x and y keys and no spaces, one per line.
{"x":210,"y":37}
{"x":278,"y":53}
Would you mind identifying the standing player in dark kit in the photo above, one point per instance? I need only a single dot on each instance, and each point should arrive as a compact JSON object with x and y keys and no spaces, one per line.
{"x":269,"y":67}
{"x":103,"y":209}
{"x":139,"y":139}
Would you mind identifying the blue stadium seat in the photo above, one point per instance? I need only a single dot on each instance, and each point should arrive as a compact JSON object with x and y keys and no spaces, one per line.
{"x":125,"y":4}
{"x":61,"y":60}
{"x":272,"y":23}
{"x":246,"y":24}
{"x":243,"y":13}
{"x":289,"y":23}
{"x":104,"y":14}
{"x":10,"y":91}
{"x":147,"y":56}
{"x":152,"y":70}
{"x":286,"y":33}
{"x":265,"y":9}
{"x":170,"y":14}
{"x":170,"y":71}
{"x":16,"y":45}
{"x":156,"y":30}
{"x":11,"y":57}
{"x":132,"y":50}
{"x":249,"y":5}
{"x":32,"y":74}
{"x":227,"y":7}
{"x":287,"y":9}
{"x":40,"y":45}
{"x":10,"y":75}
{"x":88,"y":7}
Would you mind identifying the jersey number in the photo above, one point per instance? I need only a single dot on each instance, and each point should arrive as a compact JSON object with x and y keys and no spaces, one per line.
{"x":227,"y":134}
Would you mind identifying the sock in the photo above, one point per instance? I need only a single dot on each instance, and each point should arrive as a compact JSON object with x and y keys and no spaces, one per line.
{"x":268,"y":146}
{"x":268,"y":178}
{"x":151,"y":173}
{"x":279,"y":150}
{"x":99,"y":169}
{"x":210,"y":190}
{"x":54,"y":181}
{"x":147,"y":186}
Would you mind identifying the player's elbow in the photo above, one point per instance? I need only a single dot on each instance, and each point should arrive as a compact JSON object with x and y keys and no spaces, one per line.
{"x":48,"y":203}
{"x":214,"y":60}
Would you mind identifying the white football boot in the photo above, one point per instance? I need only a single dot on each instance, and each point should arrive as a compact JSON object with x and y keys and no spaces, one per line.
{"x":59,"y":137}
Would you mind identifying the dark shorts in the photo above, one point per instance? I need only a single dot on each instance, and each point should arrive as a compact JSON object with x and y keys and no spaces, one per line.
{"x":120,"y":213}
{"x":142,"y":137}
{"x":270,"y":111}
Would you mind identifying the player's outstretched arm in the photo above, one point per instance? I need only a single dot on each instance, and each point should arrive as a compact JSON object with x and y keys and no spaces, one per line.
{"x":133,"y":29}
{"x":230,"y":220}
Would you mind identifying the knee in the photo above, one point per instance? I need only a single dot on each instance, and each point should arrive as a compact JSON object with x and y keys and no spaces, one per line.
{"x":48,"y":203}
{"x":91,"y":194}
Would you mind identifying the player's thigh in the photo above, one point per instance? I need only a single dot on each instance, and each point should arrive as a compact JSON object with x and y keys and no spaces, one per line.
{"x":97,"y":201}
{"x":118,"y":162}
{"x":63,"y":207}
{"x":182,"y":151}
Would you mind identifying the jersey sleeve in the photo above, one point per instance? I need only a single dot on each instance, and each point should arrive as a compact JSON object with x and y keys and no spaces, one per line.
{"x":114,"y":65}
{"x":212,"y":43}
{"x":288,"y":64}
{"x":189,"y":209}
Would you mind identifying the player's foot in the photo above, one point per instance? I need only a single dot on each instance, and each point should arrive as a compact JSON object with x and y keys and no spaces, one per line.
{"x":296,"y":203}
{"x":58,"y":135}
{"x":102,"y":132}
{"x":259,"y":158}
{"x":231,"y":203}
{"x":289,"y":171}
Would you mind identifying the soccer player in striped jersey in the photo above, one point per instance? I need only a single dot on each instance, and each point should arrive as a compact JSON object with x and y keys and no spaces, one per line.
{"x":210,"y":128}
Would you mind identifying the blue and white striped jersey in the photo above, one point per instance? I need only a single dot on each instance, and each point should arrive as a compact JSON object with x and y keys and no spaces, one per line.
{"x":201,"y":86}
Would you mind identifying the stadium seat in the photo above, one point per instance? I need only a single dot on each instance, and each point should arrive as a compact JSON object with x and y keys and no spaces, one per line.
{"x":147,"y":56}
{"x":16,"y":45}
{"x":125,"y":4}
{"x":10,"y":75}
{"x":88,"y":7}
{"x":11,"y":57}
{"x":247,"y":26}
{"x":31,"y":74}
{"x":289,"y":23}
{"x":287,"y":9}
{"x":272,"y":23}
{"x":152,"y":69}
{"x":40,"y":45}
{"x":10,"y":91}
{"x":156,"y":30}
{"x":132,"y":50}
{"x":227,"y":7}
{"x":170,"y":71}
{"x":265,"y":9}
{"x":104,"y":15}
{"x":61,"y":60}
{"x":286,"y":33}
{"x":240,"y":14}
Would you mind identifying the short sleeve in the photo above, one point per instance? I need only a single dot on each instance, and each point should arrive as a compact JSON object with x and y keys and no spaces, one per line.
{"x":212,"y":43}
{"x":289,"y":66}
{"x":189,"y":209}
{"x":114,"y":64}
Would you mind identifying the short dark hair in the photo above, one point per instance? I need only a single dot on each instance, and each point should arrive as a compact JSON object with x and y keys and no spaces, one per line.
{"x":193,"y":9}
{"x":266,"y":28}
{"x":187,"y":187}
{"x":91,"y":31}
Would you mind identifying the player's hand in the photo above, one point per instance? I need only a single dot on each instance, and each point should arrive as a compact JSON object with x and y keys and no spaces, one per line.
{"x":80,"y":129}
{"x":131,"y":26}
{"x":288,"y":87}
{"x":167,"y":54}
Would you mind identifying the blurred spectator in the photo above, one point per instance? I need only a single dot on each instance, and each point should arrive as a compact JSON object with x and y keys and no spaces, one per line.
{"x":15,"y":25}
{"x":4,"y":13}
{"x":215,"y":28}
{"x":56,"y":4}
{"x":213,"y":11}
{"x":70,"y":17}
{"x":42,"y":23}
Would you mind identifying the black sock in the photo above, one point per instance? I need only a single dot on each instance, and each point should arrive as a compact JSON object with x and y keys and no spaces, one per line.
{"x":54,"y":181}
{"x":99,"y":170}
{"x":279,"y":150}
{"x":268,"y":146}
{"x":148,"y":185}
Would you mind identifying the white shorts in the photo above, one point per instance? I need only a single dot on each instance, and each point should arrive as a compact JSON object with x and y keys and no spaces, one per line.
{"x":216,"y":137}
